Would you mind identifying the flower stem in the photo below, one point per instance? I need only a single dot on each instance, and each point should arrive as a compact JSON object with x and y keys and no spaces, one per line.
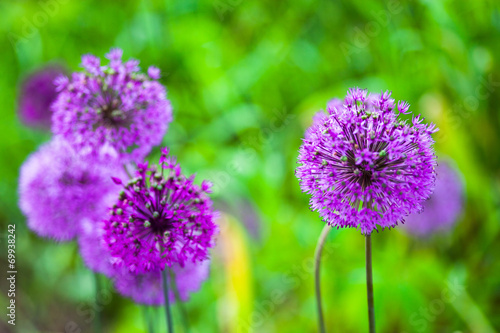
{"x":164,"y":274}
{"x":369,"y":283}
{"x":148,"y":320}
{"x":317,"y":262}
{"x":97,"y":319}
{"x":127,"y":172}
{"x":178,"y":302}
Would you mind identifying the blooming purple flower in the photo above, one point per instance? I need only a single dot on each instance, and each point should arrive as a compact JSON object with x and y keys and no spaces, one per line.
{"x":363,"y":166}
{"x":113,"y":104}
{"x":59,"y":187}
{"x":37,"y":93}
{"x":442,"y":209}
{"x":161,"y":218}
{"x":147,"y":288}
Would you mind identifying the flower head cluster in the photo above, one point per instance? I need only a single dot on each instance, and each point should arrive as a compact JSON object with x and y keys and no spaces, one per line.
{"x":147,"y":288}
{"x":113,"y":104}
{"x":37,"y":93}
{"x":59,"y":187}
{"x":161,"y":218}
{"x":363,"y":166}
{"x":442,"y":209}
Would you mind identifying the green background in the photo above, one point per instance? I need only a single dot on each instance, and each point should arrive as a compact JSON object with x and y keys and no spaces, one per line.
{"x":245,"y":78}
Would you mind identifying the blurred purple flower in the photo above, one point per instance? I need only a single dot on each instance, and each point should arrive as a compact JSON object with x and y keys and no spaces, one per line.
{"x":443,"y":208}
{"x":146,"y":288}
{"x":37,"y":92}
{"x":93,"y":249}
{"x":59,"y":187}
{"x":114,"y":104}
{"x":365,"y":167}
{"x":246,"y":212}
{"x":161,"y":218}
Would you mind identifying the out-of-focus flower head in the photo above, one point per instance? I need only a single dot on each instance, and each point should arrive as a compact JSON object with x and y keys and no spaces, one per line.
{"x":147,"y":288}
{"x":93,"y":249}
{"x":36,"y":94}
{"x":113,"y":104}
{"x":58,"y":187}
{"x":443,"y":208}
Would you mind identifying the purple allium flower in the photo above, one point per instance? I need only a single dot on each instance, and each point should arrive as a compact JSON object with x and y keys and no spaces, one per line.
{"x":161,"y":218}
{"x":93,"y":249}
{"x":444,"y":206}
{"x":113,"y":104}
{"x":365,"y":167}
{"x":37,"y":93}
{"x":58,"y":188}
{"x":147,"y":288}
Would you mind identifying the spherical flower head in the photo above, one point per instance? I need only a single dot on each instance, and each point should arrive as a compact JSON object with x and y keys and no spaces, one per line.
{"x":113,"y":104}
{"x":443,"y":208}
{"x":147,"y":288}
{"x":363,"y":166}
{"x":58,"y":187}
{"x":161,"y":218}
{"x":37,"y":92}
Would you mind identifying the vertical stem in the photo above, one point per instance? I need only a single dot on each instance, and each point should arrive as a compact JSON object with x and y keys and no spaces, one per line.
{"x":317,"y":285}
{"x":148,"y":319}
{"x":97,"y":319}
{"x":178,"y":301}
{"x":164,"y":275}
{"x":369,"y":283}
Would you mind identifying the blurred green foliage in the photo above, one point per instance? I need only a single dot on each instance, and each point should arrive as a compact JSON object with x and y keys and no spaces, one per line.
{"x":245,"y":78}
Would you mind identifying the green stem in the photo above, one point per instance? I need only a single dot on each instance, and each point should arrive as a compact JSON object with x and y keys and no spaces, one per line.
{"x":148,"y":320}
{"x":179,"y":302}
{"x":97,"y":319}
{"x":317,"y":285}
{"x":369,"y":283}
{"x":164,"y":274}
{"x":126,"y":171}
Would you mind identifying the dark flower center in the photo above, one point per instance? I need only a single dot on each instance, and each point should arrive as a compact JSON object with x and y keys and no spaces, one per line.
{"x":156,"y":218}
{"x":366,"y":176}
{"x":161,"y":224}
{"x":112,"y":117}
{"x":70,"y":180}
{"x":361,"y":173}
{"x":109,"y":107}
